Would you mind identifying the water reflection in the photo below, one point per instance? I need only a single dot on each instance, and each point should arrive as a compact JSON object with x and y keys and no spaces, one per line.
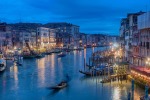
{"x":14,"y":75}
{"x":116,"y":93}
{"x":30,"y":80}
{"x":41,"y":71}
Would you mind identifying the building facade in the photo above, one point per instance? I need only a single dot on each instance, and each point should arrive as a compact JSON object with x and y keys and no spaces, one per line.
{"x":144,"y":38}
{"x":129,"y":36}
{"x":46,"y":37}
{"x":66,"y":34}
{"x":5,"y":37}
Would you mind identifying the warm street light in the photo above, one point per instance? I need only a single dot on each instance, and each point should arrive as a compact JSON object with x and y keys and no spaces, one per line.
{"x":15,"y":48}
{"x":80,"y":41}
{"x":148,"y":62}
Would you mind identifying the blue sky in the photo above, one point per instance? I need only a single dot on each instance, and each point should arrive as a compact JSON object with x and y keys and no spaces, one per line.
{"x":93,"y":16}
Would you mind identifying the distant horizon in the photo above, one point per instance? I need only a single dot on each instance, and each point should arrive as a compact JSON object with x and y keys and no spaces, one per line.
{"x":62,"y":22}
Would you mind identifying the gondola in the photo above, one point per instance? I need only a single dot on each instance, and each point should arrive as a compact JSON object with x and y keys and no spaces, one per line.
{"x":61,"y":85}
{"x":85,"y":73}
{"x":2,"y":63}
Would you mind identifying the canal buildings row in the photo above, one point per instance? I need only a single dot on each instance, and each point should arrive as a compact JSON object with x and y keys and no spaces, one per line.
{"x":135,"y":40}
{"x":51,"y":35}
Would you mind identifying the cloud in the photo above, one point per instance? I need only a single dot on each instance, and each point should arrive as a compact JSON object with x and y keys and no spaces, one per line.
{"x":91,"y":16}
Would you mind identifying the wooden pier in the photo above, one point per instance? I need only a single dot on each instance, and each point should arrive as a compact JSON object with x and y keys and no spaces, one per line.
{"x":118,"y":78}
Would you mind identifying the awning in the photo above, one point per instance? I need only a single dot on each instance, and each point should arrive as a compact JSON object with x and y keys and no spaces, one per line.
{"x":142,"y":70}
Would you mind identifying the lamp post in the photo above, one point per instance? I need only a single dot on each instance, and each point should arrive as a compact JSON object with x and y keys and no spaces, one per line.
{"x":148,"y":62}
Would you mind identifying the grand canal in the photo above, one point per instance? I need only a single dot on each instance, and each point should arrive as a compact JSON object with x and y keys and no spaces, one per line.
{"x":30,"y":81}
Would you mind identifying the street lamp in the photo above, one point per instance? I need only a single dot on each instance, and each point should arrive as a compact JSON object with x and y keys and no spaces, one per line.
{"x":148,"y":62}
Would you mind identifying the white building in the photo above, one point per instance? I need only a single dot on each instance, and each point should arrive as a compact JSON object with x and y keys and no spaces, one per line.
{"x":46,"y":37}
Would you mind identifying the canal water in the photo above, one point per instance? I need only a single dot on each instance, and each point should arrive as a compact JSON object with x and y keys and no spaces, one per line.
{"x":30,"y":81}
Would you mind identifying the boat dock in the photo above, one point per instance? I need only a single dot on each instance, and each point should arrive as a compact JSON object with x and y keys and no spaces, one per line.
{"x":118,"y":78}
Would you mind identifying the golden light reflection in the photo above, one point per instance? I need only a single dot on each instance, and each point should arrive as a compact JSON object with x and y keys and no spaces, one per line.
{"x":16,"y":73}
{"x":85,"y":54}
{"x":52,"y":65}
{"x":41,"y":69}
{"x":52,"y":60}
{"x":75,"y":55}
{"x":14,"y":70}
{"x":16,"y":76}
{"x":116,"y":94}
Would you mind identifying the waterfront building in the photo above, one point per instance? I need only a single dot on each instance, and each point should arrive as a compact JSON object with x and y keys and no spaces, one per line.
{"x":22,"y":39}
{"x":144,"y":38}
{"x":133,"y":38}
{"x":89,"y":39}
{"x":83,"y":39}
{"x":5,"y":37}
{"x":43,"y":37}
{"x":46,"y":37}
{"x":64,"y":27}
{"x":52,"y":38}
{"x":33,"y":38}
{"x":123,"y":29}
{"x":67,"y":34}
{"x":129,"y":37}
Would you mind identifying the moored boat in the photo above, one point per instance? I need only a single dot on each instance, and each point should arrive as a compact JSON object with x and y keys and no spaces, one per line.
{"x":56,"y":51}
{"x":48,"y":53}
{"x":40,"y":55}
{"x":85,"y":73}
{"x":2,"y":63}
{"x":61,"y":55}
{"x":28,"y":56}
{"x":18,"y":60}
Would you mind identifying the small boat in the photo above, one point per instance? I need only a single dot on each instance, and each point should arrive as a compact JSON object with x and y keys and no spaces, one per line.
{"x":18,"y":60}
{"x":85,"y":73}
{"x":40,"y":55}
{"x":106,"y":81}
{"x":90,"y":73}
{"x":61,"y":55}
{"x":48,"y":53}
{"x":61,"y":85}
{"x":56,"y":51}
{"x":2,"y":63}
{"x":143,"y":97}
{"x":28,"y":56}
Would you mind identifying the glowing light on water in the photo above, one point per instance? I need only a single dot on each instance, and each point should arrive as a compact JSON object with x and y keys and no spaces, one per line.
{"x":41,"y":70}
